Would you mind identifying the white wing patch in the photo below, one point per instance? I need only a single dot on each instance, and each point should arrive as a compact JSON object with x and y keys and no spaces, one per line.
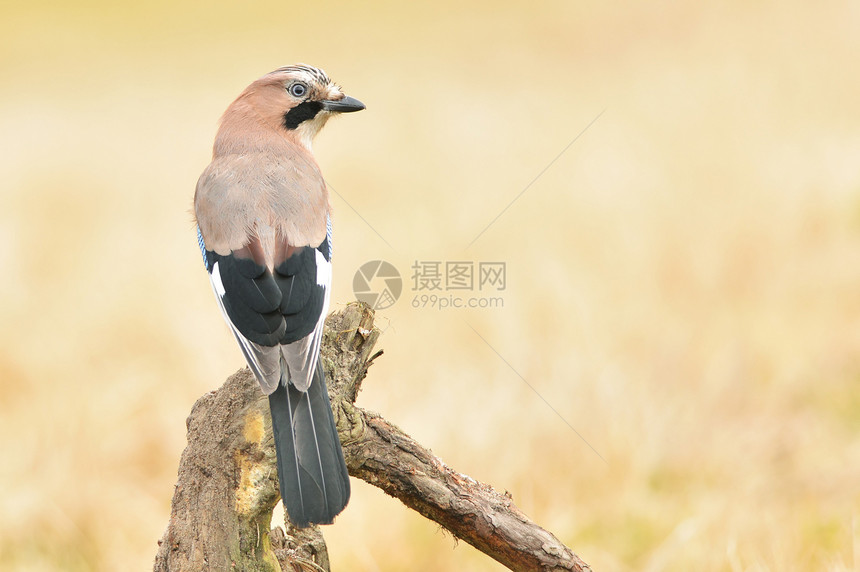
{"x":217,"y":284}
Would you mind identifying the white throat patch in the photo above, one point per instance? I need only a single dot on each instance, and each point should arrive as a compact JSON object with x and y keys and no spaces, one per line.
{"x":307,"y":130}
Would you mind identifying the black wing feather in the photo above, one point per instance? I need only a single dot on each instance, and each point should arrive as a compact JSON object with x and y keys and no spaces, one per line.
{"x":271,"y":308}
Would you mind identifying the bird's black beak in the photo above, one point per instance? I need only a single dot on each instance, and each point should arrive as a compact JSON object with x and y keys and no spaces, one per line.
{"x":345,"y":105}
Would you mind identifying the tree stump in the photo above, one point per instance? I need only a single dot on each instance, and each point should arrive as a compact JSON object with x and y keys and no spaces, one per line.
{"x":227,"y":484}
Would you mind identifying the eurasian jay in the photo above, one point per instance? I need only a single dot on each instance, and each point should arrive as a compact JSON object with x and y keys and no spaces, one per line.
{"x":264,"y":227}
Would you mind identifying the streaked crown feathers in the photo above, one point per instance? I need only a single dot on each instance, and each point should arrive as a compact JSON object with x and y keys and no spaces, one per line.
{"x":315,"y":74}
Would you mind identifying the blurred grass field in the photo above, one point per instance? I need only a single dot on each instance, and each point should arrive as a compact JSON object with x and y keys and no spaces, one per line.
{"x":683,"y":282}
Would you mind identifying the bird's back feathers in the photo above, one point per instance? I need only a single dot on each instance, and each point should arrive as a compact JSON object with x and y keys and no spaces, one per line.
{"x":243,"y":196}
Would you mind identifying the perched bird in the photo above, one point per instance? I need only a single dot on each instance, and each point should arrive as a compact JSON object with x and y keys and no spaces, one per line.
{"x":264,"y":227}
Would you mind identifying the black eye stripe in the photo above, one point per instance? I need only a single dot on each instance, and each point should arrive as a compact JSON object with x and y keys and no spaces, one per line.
{"x":302,"y":112}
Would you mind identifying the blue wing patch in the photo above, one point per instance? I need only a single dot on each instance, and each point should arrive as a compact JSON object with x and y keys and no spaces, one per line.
{"x":202,"y":246}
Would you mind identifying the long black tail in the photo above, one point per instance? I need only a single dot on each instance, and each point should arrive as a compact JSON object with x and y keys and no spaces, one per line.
{"x":311,"y":470}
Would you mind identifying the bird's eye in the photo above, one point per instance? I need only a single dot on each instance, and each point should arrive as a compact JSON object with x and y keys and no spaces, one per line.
{"x":298,"y":90}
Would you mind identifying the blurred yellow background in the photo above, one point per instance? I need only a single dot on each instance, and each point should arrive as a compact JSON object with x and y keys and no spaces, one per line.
{"x":683,"y":283}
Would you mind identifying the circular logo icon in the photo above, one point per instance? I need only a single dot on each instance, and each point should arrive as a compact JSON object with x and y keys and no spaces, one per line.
{"x":378,"y":284}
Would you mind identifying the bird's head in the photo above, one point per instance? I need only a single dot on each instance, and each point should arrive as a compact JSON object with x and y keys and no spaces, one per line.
{"x":298,"y":99}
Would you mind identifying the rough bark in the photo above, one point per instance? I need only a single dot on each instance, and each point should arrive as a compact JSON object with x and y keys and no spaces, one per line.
{"x":227,"y":485}
{"x":222,"y":504}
